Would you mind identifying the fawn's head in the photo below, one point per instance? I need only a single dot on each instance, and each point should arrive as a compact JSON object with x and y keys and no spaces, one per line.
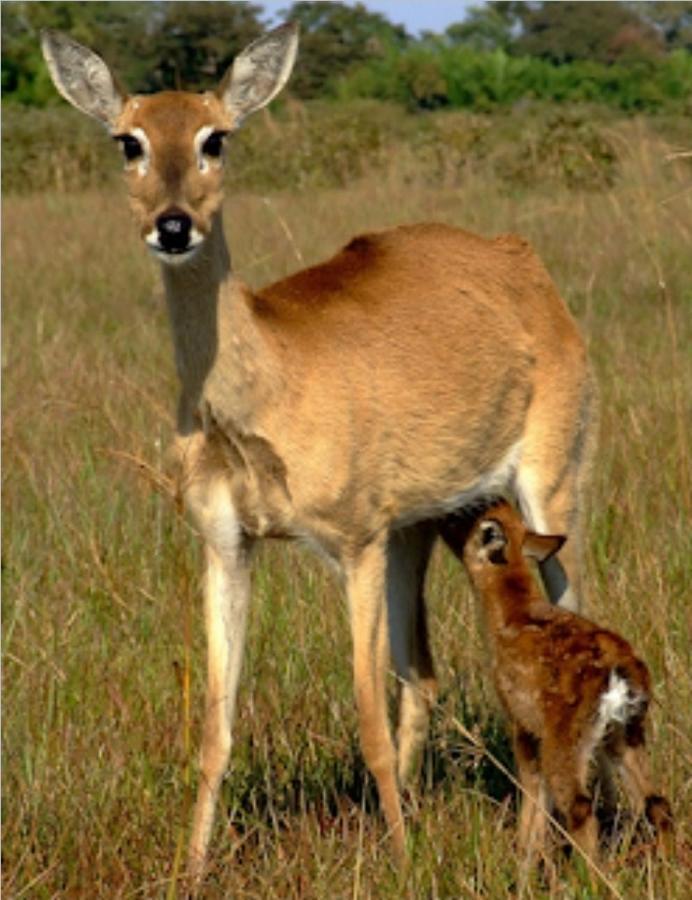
{"x":497,"y":538}
{"x":173,"y":141}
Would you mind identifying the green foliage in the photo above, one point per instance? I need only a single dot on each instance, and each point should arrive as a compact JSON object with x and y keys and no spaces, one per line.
{"x":191,"y":44}
{"x":150,"y":46}
{"x":486,"y":27}
{"x":501,"y":53}
{"x":117,"y":30}
{"x":335,"y":37}
{"x":567,"y":31}
{"x":425,"y":77}
{"x":671,"y":18}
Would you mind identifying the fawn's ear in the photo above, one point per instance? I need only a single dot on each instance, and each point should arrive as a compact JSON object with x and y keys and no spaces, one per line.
{"x":82,"y":77}
{"x":541,"y":546}
{"x":259,"y":72}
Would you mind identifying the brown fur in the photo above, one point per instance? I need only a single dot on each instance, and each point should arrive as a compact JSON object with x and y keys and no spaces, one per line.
{"x":552,"y":668}
{"x":349,"y":405}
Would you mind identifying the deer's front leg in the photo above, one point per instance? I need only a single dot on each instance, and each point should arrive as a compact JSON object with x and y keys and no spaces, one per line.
{"x":365,"y":580}
{"x":227,"y":594}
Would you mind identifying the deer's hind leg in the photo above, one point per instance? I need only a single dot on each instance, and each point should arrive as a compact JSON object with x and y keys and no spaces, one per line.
{"x":366,"y":588}
{"x":408,"y":553}
{"x":550,"y":480}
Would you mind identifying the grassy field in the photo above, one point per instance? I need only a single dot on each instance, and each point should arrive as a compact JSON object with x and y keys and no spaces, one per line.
{"x":102,"y":616}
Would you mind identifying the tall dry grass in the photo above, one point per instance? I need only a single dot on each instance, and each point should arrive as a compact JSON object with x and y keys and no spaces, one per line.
{"x":101,"y":574}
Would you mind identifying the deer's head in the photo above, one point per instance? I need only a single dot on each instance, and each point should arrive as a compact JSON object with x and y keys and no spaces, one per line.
{"x":173,"y":141}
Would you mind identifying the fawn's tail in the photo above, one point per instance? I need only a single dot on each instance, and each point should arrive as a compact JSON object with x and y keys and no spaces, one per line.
{"x":625,"y":698}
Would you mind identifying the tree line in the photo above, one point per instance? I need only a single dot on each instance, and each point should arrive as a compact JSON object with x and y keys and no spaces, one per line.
{"x":631,"y":54}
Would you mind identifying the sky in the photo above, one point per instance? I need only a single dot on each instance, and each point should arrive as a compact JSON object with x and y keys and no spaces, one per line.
{"x":414,"y":15}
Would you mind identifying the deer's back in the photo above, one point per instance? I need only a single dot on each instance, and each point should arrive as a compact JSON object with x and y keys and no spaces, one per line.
{"x":429,"y":276}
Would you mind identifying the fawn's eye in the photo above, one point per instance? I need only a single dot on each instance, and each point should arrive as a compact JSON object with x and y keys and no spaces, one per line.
{"x":493,"y":542}
{"x":488,"y":533}
{"x":213,"y":145}
{"x":132,"y":147}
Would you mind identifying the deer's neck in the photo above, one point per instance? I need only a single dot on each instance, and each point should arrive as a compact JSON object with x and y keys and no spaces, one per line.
{"x":508,"y":599}
{"x":222,"y":355}
{"x":193,"y":292}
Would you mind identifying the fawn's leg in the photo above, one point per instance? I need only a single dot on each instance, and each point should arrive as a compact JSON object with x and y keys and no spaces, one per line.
{"x":408,"y":552}
{"x":365,"y":585}
{"x":633,"y":762}
{"x":566,"y":774}
{"x":533,"y":813}
{"x":608,"y":797}
{"x":227,"y":594}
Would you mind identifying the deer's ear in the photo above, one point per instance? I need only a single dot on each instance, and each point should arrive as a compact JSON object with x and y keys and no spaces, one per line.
{"x":82,"y":77}
{"x":541,"y":546}
{"x":259,"y":72}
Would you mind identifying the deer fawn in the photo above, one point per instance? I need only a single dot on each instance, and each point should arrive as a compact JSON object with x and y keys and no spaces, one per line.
{"x":351,"y":404}
{"x":573,"y":691}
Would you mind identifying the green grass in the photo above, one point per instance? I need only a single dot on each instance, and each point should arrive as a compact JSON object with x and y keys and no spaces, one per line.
{"x":101,"y":575}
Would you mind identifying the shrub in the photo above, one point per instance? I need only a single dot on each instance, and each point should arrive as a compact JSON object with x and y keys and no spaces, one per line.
{"x":321,"y":144}
{"x":432,"y":76}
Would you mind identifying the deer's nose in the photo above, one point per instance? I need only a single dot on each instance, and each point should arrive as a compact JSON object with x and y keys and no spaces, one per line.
{"x":174,"y":228}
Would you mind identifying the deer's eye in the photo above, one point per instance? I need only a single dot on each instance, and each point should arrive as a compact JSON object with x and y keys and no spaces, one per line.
{"x":213,"y":145}
{"x":132,"y":147}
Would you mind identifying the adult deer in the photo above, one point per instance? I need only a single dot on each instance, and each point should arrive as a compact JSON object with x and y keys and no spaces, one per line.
{"x":350,"y":404}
